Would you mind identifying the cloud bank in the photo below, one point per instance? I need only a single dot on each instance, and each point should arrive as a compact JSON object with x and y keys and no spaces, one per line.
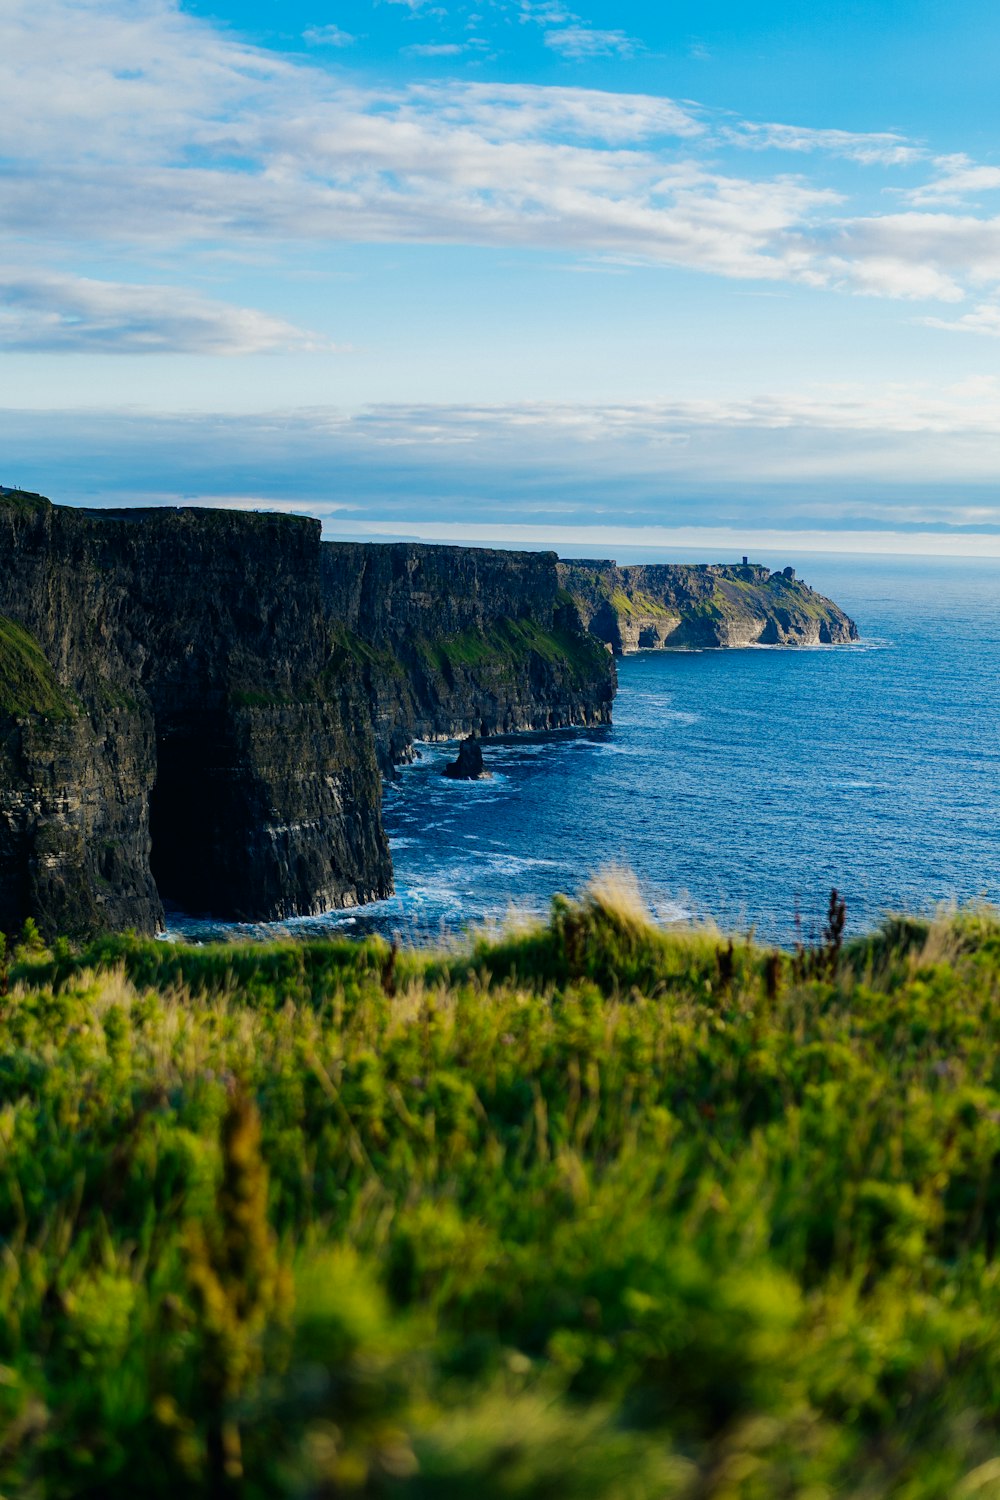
{"x":907,"y":459}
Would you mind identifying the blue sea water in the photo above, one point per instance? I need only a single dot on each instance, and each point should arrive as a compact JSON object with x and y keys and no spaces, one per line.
{"x":743,"y":784}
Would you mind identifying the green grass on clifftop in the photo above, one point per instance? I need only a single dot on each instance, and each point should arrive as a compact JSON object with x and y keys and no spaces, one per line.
{"x":593,"y":1209}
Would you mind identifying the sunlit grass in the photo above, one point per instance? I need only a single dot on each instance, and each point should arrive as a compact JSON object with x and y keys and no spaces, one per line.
{"x":586,"y":1208}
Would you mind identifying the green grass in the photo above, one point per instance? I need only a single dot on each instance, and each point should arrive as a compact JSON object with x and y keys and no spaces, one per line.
{"x":507,"y":647}
{"x":350,"y":647}
{"x":23,"y":500}
{"x":638,"y":603}
{"x":27,"y":682}
{"x":591,"y":1209}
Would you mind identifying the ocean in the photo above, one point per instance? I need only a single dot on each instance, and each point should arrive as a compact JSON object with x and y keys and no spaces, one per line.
{"x":738,"y":785}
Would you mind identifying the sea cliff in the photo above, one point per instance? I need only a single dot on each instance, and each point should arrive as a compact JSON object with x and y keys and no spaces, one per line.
{"x":178,"y":732}
{"x":199,"y":706}
{"x":677,"y":605}
{"x":461,"y":640}
{"x":195,"y":704}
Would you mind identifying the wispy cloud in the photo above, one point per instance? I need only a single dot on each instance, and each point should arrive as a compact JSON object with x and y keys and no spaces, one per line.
{"x":984,"y":319}
{"x":572,"y":36}
{"x":579,"y":42}
{"x":883,"y":148}
{"x":435,"y":49}
{"x":901,"y":456}
{"x":167,"y":134}
{"x":959,"y":178}
{"x":328,"y":36}
{"x":43,"y":311}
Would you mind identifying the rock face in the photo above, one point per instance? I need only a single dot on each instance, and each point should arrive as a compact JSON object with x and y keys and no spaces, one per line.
{"x":672,"y":605}
{"x":194,"y":704}
{"x":468,"y":766}
{"x":453,"y":641}
{"x":173,"y":725}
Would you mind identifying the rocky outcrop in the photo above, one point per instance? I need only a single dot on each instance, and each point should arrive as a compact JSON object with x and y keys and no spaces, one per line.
{"x":468,"y":764}
{"x":674,"y":605}
{"x":452,"y":641}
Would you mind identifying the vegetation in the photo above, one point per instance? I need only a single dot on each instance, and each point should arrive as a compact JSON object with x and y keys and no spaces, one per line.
{"x":27,"y":682}
{"x":592,"y":1209}
{"x":23,"y":500}
{"x":639,"y":603}
{"x":506,"y":647}
{"x":360,"y":653}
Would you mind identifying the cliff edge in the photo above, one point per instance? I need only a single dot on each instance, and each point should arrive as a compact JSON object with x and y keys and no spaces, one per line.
{"x":170,"y":724}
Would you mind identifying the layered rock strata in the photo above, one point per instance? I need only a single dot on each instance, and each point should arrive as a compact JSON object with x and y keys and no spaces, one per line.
{"x":194,"y":704}
{"x":171,"y":723}
{"x":674,"y":605}
{"x":453,"y":641}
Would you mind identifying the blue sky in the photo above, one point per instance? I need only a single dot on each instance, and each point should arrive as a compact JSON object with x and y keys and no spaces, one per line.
{"x":523,"y":270}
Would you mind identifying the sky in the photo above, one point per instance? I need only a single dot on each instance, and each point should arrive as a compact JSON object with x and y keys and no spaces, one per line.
{"x":526,"y":271}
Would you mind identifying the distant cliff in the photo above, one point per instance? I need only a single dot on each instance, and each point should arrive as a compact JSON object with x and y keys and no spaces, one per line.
{"x":460,"y":640}
{"x":194,"y":704}
{"x":675,"y":605}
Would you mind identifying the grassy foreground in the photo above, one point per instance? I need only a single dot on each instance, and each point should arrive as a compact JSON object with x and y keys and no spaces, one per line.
{"x":597,"y":1210}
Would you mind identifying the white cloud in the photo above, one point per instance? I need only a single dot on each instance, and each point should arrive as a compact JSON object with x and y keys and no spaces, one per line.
{"x":547,"y":12}
{"x":888,"y":276}
{"x":960,"y":249}
{"x":984,"y":319}
{"x":165,"y":132}
{"x":530,"y":112}
{"x":436,"y":49}
{"x":967,"y":407}
{"x":328,"y":36}
{"x":44,"y":312}
{"x":579,"y":42}
{"x":827,"y":458}
{"x":959,"y":178}
{"x":879,"y":148}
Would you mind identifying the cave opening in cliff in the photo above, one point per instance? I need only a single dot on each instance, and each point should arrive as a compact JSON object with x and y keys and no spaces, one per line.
{"x":184,"y":818}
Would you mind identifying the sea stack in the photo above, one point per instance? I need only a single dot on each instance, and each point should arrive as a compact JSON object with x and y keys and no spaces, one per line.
{"x":469,"y":765}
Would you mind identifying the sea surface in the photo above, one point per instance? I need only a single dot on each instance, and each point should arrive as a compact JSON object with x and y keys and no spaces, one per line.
{"x":739,"y":785}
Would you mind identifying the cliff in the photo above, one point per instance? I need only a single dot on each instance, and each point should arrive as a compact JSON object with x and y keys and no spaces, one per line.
{"x":171,"y":724}
{"x":674,"y":605}
{"x":457,"y":640}
{"x":194,"y":704}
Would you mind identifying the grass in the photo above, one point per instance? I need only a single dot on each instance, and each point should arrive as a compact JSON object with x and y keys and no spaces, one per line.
{"x":27,"y":682}
{"x":508,"y":646}
{"x":23,"y":500}
{"x":638,"y":603}
{"x":592,"y":1209}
